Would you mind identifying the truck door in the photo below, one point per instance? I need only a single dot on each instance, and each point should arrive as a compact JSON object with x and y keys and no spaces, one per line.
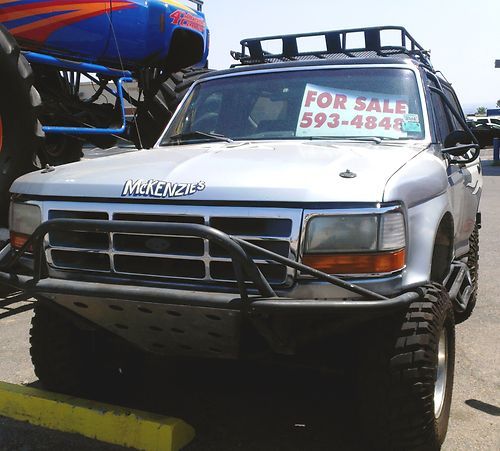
{"x":464,"y":180}
{"x":471,"y":183}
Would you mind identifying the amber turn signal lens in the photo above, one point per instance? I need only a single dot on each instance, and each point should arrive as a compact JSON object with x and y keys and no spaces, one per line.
{"x":382,"y":262}
{"x":17,"y":240}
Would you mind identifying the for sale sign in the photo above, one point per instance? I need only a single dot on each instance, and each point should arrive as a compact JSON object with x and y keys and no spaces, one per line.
{"x":340,"y":112}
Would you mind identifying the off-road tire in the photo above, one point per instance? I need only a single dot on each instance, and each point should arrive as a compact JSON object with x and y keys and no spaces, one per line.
{"x":398,"y":372}
{"x":473,"y":265}
{"x":75,"y":360}
{"x":160,"y":104}
{"x":20,"y":130}
{"x":60,"y":149}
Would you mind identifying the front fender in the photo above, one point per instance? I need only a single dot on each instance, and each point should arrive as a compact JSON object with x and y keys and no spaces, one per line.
{"x":422,"y":185}
{"x":423,"y":223}
{"x":421,"y":179}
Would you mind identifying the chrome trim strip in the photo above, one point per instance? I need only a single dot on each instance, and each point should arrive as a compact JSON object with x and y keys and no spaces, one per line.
{"x":160,"y":256}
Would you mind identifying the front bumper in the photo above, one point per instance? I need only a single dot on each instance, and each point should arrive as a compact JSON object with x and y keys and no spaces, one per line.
{"x":256,"y":302}
{"x":167,"y":296}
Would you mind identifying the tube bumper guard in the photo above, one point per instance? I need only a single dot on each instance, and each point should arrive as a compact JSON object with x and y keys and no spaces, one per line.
{"x":246,"y":301}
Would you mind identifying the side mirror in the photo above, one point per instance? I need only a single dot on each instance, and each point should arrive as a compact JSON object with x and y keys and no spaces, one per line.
{"x":458,"y":143}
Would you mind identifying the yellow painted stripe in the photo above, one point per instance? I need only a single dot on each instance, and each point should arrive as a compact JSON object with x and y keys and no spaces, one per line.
{"x":104,"y":422}
{"x":178,"y":5}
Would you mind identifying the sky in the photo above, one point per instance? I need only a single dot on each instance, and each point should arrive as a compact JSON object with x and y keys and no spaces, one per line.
{"x":463,"y":35}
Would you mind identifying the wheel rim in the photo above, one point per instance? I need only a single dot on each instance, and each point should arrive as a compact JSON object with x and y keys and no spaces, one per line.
{"x":442,"y":370}
{"x":55,"y":147}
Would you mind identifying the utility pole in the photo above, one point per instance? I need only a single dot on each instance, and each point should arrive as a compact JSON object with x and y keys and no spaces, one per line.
{"x":496,"y":141}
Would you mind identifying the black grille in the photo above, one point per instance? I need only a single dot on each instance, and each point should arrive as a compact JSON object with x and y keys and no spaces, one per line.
{"x":275,"y":274}
{"x":169,"y":257}
{"x":278,"y":247}
{"x":154,"y":266}
{"x":81,"y":260}
{"x":146,"y":244}
{"x":79,"y":240}
{"x":253,"y":226}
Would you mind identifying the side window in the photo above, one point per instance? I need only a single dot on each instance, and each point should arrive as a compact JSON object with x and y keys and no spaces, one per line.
{"x":495,"y":121}
{"x":453,"y":100}
{"x":482,"y":121}
{"x":443,"y":125}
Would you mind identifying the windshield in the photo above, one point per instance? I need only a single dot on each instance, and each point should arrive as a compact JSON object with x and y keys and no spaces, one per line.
{"x":302,"y":104}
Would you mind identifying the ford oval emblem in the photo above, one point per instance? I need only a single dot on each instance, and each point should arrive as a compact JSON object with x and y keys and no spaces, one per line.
{"x":158,"y":244}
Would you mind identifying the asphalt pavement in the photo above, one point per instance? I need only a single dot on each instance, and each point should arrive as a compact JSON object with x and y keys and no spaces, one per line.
{"x":263,"y":407}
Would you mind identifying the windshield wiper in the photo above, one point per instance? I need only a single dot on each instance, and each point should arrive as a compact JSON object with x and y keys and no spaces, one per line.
{"x":199,"y":134}
{"x":374,"y":139}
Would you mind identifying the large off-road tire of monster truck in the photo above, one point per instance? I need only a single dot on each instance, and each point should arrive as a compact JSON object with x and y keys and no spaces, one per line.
{"x":77,"y":360}
{"x":154,"y":113}
{"x":406,"y":375}
{"x":473,"y":264}
{"x":20,"y":130}
{"x":60,"y":149}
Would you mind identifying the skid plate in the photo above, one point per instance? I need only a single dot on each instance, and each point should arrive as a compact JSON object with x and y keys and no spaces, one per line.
{"x":163,"y":329}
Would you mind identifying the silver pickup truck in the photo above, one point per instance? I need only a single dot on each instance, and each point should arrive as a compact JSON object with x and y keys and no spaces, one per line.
{"x":293,"y":199}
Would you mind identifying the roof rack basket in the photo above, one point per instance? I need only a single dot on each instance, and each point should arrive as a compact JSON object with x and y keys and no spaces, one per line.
{"x":336,"y":46}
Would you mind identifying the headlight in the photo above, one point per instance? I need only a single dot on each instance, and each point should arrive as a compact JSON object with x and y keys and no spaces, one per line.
{"x":356,"y":244}
{"x":326,"y":234}
{"x":24,"y":219}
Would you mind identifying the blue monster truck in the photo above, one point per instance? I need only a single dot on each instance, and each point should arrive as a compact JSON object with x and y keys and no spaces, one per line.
{"x":49,"y":48}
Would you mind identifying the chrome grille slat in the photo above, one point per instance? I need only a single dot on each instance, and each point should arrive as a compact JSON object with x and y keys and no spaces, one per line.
{"x":199,"y":261}
{"x":150,"y":255}
{"x":259,"y":238}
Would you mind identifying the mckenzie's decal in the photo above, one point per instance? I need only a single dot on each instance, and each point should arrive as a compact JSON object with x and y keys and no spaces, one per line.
{"x":160,"y":189}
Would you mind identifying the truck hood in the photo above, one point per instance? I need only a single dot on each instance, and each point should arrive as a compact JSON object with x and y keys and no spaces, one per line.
{"x":285,"y":171}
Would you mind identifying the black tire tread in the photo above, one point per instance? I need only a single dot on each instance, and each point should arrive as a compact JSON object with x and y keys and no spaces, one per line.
{"x":25,"y":73}
{"x":17,"y":83}
{"x":160,"y":104}
{"x":56,"y":352}
{"x":397,"y":399}
{"x":176,"y":87}
{"x":71,"y":356}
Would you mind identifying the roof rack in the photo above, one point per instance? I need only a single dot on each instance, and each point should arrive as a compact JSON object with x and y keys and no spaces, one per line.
{"x":336,"y":46}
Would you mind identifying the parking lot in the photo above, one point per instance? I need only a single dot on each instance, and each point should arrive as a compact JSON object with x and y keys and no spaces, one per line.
{"x":265,"y":407}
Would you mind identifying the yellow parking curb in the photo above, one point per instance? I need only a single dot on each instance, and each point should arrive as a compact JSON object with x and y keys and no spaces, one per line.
{"x":104,"y":422}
